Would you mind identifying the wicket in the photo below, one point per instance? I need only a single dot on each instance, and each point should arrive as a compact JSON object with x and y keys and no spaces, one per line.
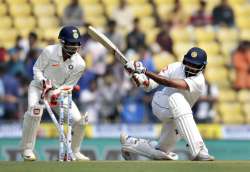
{"x":65,"y":155}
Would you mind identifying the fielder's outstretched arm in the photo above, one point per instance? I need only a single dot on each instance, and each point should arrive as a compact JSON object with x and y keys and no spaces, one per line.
{"x":176,"y":83}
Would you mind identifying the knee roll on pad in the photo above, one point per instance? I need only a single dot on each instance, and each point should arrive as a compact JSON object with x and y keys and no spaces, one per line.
{"x":145,"y":148}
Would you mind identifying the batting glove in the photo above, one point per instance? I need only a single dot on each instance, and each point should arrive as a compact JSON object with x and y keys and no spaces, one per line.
{"x":135,"y":67}
{"x":129,"y":66}
{"x":140,"y":80}
{"x":139,"y":67}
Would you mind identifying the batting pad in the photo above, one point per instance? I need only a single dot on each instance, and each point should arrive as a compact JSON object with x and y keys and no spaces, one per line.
{"x":190,"y":133}
{"x":146,"y":148}
{"x":30,"y":126}
{"x":184,"y":120}
{"x":77,"y":137}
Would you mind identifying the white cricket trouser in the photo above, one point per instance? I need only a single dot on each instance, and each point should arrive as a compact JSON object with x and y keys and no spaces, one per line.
{"x":160,"y":106}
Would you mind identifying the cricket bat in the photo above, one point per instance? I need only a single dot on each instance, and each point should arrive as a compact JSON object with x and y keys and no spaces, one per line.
{"x":101,"y":38}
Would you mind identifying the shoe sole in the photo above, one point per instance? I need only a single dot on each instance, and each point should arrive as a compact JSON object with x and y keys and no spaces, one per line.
{"x":204,"y":159}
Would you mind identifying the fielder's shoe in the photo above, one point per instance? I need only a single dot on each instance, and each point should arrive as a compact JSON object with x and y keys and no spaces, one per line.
{"x":203,"y":156}
{"x":132,"y":146}
{"x":80,"y":157}
{"x":28,"y":155}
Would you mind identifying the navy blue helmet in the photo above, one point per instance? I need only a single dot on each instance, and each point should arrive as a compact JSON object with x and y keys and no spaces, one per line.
{"x":194,"y":61}
{"x":70,"y":39}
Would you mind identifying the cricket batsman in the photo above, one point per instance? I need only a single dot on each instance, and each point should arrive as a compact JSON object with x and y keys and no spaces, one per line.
{"x":184,"y":82}
{"x":58,"y":66}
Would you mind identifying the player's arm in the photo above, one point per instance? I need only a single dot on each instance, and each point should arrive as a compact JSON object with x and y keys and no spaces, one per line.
{"x":38,"y":70}
{"x":158,"y":78}
{"x":39,"y":67}
{"x":175,"y":83}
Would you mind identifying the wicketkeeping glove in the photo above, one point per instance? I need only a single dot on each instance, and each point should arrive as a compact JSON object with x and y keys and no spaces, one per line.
{"x":47,"y":85}
{"x":52,"y":97}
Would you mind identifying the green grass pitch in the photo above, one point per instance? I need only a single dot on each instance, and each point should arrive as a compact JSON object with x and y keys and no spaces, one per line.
{"x":126,"y":166}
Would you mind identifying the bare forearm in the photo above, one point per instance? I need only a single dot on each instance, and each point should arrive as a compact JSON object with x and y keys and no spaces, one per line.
{"x":180,"y":84}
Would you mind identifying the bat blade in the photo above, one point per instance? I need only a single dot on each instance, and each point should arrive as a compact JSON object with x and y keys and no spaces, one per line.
{"x":101,"y":38}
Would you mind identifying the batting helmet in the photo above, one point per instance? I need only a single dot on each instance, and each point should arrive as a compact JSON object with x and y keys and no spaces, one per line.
{"x":194,"y":61}
{"x":70,"y":39}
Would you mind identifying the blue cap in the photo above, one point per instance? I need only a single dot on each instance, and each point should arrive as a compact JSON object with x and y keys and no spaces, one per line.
{"x":70,"y":34}
{"x":196,"y":56}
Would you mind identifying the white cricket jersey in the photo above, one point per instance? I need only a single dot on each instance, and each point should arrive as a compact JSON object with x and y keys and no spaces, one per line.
{"x":50,"y":65}
{"x":196,"y":83}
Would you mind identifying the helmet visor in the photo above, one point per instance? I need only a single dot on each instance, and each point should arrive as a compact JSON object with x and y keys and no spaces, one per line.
{"x":192,"y":69}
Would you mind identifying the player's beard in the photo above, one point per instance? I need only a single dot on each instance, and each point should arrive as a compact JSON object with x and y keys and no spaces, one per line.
{"x":70,"y":50}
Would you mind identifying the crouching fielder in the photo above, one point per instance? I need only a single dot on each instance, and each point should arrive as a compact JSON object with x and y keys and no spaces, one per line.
{"x":58,"y":66}
{"x":184,"y":83}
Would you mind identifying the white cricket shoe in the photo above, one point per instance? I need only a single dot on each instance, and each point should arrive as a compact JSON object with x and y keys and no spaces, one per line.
{"x":134,"y":146}
{"x":28,"y":155}
{"x":80,"y":157}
